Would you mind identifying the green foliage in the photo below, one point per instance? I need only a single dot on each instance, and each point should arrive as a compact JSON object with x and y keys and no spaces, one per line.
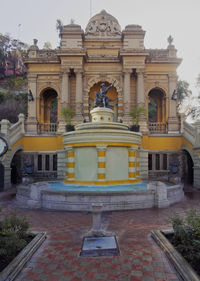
{"x":183,"y":90}
{"x":186,"y":238}
{"x":11,"y":105}
{"x":135,"y":113}
{"x":15,"y":82}
{"x":68,"y":113}
{"x":14,"y":237}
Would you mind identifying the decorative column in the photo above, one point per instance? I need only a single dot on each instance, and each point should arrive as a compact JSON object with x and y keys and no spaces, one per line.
{"x":173,"y":123}
{"x":140,"y":88}
{"x":79,"y":93}
{"x":101,"y":152}
{"x":70,"y":164}
{"x":64,"y":98}
{"x":127,"y":98}
{"x":65,"y":89}
{"x":140,"y":97}
{"x":131,"y":163}
{"x":137,"y":164}
{"x":86,"y":106}
{"x":32,"y":110}
{"x":120,"y":106}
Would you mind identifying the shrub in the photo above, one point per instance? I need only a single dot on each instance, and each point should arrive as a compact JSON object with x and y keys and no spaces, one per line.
{"x":186,"y":238}
{"x":14,"y":237}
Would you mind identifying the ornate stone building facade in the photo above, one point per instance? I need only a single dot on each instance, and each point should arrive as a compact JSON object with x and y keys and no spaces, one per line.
{"x":103,"y":53}
{"x":68,"y":77}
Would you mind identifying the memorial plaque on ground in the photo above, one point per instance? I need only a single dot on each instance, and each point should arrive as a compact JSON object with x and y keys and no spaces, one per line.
{"x":99,"y":246}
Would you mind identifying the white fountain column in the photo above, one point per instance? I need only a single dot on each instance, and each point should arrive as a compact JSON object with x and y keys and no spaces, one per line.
{"x":70,"y":164}
{"x":101,"y":153}
{"x":137,"y":164}
{"x":131,"y":163}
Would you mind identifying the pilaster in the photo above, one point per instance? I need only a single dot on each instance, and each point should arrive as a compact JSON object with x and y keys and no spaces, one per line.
{"x":70,"y":164}
{"x":140,"y":96}
{"x":173,"y":122}
{"x":79,"y":93}
{"x":131,"y":163}
{"x":101,"y":153}
{"x":127,"y":98}
{"x":32,"y":105}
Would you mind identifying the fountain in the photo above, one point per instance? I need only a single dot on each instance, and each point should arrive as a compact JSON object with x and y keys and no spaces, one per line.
{"x":100,"y":163}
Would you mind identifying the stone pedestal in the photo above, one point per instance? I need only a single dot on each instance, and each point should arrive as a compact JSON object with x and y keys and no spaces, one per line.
{"x":31,"y":125}
{"x":102,"y":114}
{"x":173,"y":125}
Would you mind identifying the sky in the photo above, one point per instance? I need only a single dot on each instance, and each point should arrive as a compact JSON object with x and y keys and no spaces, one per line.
{"x":29,"y":19}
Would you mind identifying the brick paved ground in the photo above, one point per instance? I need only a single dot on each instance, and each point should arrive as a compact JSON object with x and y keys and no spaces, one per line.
{"x":58,"y":258}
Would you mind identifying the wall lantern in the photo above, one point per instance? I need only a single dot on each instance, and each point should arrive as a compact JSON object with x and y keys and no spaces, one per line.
{"x":30,"y":96}
{"x":174,"y":95}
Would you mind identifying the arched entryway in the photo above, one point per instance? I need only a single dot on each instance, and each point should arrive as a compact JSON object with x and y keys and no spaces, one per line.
{"x":48,"y":110}
{"x":112,"y":94}
{"x":16,"y":169}
{"x":1,"y":177}
{"x":189,"y":169}
{"x":157,"y":113}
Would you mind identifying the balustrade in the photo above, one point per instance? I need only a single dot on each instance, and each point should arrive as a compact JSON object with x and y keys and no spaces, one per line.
{"x":157,"y":128}
{"x":47,"y":128}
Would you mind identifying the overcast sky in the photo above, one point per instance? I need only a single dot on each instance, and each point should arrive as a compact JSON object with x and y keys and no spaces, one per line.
{"x":28,"y":19}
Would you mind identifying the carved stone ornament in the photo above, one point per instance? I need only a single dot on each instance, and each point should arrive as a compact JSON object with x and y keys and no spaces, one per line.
{"x":103,"y":24}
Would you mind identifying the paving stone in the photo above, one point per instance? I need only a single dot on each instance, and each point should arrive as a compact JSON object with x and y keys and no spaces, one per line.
{"x":58,"y":258}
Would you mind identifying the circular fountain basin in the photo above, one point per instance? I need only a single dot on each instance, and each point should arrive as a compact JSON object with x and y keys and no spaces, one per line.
{"x":60,"y":196}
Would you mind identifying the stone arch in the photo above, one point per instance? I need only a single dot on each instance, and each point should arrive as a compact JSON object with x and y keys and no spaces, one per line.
{"x":7,"y":164}
{"x":48,"y":96}
{"x":112,"y":94}
{"x":189,"y":165}
{"x":15,"y":165}
{"x":45,"y":86}
{"x":97,"y":78}
{"x":2,"y":172}
{"x":156,"y":104}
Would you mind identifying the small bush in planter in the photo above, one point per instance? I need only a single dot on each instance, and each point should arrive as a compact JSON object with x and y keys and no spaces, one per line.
{"x":68,"y":113}
{"x":135,"y":114}
{"x":186,"y":238}
{"x":14,"y":236}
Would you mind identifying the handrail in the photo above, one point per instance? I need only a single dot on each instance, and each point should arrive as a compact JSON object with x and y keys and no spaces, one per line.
{"x":157,"y":127}
{"x":47,"y":128}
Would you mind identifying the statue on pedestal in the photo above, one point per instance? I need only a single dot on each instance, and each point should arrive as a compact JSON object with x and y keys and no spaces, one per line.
{"x":101,"y":99}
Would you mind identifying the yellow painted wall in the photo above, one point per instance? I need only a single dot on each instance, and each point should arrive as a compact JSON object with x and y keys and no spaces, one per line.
{"x":164,"y":143}
{"x":40,"y":143}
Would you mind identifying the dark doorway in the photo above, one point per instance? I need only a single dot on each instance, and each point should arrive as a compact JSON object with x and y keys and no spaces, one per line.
{"x":16,"y":176}
{"x":189,"y":175}
{"x":1,"y":177}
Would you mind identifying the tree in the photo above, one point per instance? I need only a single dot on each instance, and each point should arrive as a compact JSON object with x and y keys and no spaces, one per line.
{"x":47,"y":45}
{"x":183,"y":92}
{"x":188,"y":103}
{"x":11,"y":105}
{"x":11,"y":51}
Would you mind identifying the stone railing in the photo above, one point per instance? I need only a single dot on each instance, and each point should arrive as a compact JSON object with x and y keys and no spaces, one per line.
{"x":12,"y":132}
{"x":50,"y":128}
{"x":189,"y":132}
{"x":157,"y":128}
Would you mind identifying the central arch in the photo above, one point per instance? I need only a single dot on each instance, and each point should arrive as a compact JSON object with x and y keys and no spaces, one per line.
{"x":112,"y":94}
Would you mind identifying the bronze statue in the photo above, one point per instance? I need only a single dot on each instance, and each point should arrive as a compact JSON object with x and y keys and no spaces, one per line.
{"x":101,"y":99}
